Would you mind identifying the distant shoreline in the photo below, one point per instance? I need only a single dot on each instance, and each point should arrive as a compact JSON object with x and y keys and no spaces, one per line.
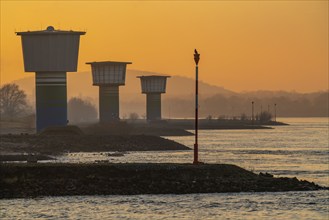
{"x":169,"y":127}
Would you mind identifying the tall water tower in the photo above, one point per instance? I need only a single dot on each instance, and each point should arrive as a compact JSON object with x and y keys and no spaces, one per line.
{"x":50,"y":54}
{"x":153,"y":86}
{"x":109,"y":75}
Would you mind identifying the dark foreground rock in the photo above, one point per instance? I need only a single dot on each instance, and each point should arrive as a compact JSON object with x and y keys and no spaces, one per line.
{"x":24,"y":157}
{"x":32,"y":180}
{"x":57,"y":144}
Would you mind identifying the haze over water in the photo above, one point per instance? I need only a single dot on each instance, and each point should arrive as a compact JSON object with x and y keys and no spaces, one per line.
{"x":244,"y":46}
{"x":300,"y":150}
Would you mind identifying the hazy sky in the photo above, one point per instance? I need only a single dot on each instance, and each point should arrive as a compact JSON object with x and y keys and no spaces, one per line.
{"x":244,"y":45}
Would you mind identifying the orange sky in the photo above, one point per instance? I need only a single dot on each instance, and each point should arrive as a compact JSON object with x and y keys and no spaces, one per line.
{"x":246,"y":45}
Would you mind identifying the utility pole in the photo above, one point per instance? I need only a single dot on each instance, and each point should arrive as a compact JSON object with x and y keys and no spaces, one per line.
{"x":275,"y":112}
{"x":196,"y":59}
{"x":252,"y":112}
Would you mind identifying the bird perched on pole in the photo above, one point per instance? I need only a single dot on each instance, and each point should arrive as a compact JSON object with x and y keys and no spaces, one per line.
{"x":196,"y":56}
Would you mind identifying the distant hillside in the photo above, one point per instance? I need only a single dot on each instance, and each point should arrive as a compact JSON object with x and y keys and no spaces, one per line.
{"x":80,"y":84}
{"x":179,"y":99}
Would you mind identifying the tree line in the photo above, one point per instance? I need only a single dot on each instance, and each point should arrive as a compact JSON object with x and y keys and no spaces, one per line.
{"x":14,"y":104}
{"x":315,"y":105}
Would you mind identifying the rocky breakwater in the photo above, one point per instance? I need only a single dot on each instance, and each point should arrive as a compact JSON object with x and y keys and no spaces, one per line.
{"x":58,"y":144}
{"x":55,"y":179}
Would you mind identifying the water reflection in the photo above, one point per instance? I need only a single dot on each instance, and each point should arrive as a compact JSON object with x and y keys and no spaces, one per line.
{"x":288,"y":205}
{"x":300,"y":150}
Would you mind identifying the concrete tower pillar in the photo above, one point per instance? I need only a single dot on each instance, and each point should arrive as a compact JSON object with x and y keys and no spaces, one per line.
{"x":153,"y":106}
{"x":51,"y":99}
{"x":108,"y":103}
{"x":50,"y":54}
{"x":109,"y":75}
{"x":153,"y":86}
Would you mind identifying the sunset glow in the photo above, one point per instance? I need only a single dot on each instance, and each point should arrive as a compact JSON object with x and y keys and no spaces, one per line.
{"x":247,"y":45}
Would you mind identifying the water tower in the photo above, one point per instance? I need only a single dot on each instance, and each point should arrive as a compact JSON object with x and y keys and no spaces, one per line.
{"x":50,"y":54}
{"x":109,"y":75}
{"x":153,"y":86}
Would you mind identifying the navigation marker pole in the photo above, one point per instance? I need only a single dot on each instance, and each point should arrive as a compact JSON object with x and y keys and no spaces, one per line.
{"x":252,"y":112}
{"x":275,"y":112}
{"x":196,"y":59}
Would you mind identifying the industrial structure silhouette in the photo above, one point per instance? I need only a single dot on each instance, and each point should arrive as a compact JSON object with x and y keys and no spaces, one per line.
{"x":51,"y":53}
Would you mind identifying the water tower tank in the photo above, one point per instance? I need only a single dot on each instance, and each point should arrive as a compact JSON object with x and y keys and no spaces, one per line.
{"x":109,"y":75}
{"x":50,"y":53}
{"x":153,"y":86}
{"x":50,"y":50}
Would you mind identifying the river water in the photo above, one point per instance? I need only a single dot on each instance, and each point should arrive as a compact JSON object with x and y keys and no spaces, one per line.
{"x":300,"y":150}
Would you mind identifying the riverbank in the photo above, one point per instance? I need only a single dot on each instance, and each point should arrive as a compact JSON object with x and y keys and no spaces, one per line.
{"x":170,"y":127}
{"x":55,"y":179}
{"x":58,"y":144}
{"x":124,"y":128}
{"x":222,"y":124}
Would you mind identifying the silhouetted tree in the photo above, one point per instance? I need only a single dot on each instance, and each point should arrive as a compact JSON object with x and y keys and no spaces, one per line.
{"x":13,"y":102}
{"x":265,"y":116}
{"x":243,"y":117}
{"x":133,"y":116}
{"x":81,"y":110}
{"x":221,"y":117}
{"x":209,"y":117}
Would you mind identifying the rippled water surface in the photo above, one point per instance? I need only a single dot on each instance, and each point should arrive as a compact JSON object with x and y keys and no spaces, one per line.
{"x":300,"y":150}
{"x":289,"y":205}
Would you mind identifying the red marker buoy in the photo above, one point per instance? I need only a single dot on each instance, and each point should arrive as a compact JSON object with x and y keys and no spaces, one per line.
{"x":196,"y":59}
